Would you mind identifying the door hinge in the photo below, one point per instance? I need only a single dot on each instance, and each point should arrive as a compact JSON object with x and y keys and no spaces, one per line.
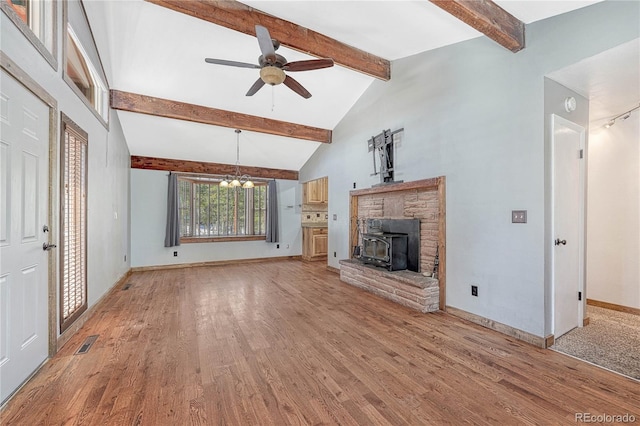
{"x":582,"y":153}
{"x":579,"y":295}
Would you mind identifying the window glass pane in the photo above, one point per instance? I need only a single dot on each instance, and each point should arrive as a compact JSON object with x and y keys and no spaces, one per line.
{"x":21,"y":8}
{"x":184,"y":208}
{"x":260,"y":209}
{"x":217,"y":211}
{"x":38,"y":15}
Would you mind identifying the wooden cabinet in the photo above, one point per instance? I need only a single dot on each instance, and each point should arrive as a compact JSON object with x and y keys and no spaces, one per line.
{"x":316,"y":191}
{"x":314,"y":243}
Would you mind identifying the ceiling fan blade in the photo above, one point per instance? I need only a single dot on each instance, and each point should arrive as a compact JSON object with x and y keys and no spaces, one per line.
{"x":256,"y":86}
{"x":313,"y":64}
{"x":230,"y":63}
{"x":266,"y":44}
{"x":296,"y":87}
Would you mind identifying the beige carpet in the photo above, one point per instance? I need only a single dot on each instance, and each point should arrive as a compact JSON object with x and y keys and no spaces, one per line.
{"x":611,"y":340}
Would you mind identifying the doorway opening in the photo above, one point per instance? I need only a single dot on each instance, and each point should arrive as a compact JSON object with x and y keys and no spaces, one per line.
{"x":611,"y":82}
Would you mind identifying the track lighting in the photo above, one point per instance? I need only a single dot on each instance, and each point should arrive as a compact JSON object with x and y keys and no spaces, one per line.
{"x":622,"y":116}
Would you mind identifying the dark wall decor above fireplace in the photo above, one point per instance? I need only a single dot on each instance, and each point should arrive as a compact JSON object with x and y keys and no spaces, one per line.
{"x":382,"y":145}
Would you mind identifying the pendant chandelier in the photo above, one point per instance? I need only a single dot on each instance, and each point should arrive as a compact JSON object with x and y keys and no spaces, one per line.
{"x":237,"y":179}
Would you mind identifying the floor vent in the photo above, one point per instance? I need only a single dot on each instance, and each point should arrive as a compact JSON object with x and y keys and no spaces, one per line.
{"x":127,"y":286}
{"x":87,"y":344}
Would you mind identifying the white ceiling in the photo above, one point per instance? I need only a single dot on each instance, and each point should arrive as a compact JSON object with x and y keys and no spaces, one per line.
{"x":610,"y":80}
{"x":151,"y":50}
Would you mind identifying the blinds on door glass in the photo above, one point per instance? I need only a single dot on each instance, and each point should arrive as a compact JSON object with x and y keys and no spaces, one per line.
{"x":73,"y":292}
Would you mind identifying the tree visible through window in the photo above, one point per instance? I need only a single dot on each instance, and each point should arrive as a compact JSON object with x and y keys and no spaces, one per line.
{"x":209,"y":210}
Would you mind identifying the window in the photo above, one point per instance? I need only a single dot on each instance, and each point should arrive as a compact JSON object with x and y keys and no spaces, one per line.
{"x":84,"y":76}
{"x":207,"y":210}
{"x":36,"y":20}
{"x":73,"y":283}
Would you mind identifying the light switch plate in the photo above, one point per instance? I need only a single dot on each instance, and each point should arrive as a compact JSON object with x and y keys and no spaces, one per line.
{"x":518,"y":216}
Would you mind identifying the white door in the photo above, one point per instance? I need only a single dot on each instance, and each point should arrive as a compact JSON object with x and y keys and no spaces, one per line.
{"x":568,"y":224}
{"x":24,"y":174}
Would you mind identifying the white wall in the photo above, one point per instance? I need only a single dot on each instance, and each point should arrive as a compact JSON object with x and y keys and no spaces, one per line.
{"x":474,"y":112}
{"x":613,"y":221}
{"x":108,"y":167}
{"x":148,"y":218}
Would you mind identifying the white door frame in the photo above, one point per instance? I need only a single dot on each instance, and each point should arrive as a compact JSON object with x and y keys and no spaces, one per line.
{"x":556,"y":119}
{"x":8,"y":65}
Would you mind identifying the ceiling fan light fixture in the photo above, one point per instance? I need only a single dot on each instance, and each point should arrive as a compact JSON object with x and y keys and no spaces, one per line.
{"x":272,"y":75}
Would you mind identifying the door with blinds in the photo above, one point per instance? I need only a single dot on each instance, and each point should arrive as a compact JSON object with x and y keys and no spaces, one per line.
{"x":73,"y":218}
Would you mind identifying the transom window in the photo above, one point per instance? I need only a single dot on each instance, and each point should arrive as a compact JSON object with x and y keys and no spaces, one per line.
{"x":207,"y":210}
{"x":84,"y":76}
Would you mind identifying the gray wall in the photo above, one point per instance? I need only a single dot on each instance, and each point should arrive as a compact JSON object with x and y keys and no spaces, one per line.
{"x":474,"y":112}
{"x":148,"y":219}
{"x":108,"y":168}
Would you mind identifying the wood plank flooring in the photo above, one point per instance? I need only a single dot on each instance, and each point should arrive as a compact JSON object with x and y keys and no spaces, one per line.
{"x":286,"y":342}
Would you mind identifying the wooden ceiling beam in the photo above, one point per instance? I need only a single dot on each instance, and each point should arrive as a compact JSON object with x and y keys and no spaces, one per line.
{"x":488,"y":18}
{"x":133,"y":102}
{"x":186,"y":166}
{"x":243,"y":18}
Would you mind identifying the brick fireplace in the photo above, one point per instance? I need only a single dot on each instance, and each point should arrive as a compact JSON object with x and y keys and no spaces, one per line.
{"x":423,"y":200}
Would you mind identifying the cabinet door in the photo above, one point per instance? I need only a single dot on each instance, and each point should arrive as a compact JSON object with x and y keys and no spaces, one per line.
{"x":315,"y":191}
{"x":320,"y":244}
{"x":324,"y":190}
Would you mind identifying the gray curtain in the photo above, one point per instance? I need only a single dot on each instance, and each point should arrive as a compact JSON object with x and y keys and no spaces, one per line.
{"x":172,"y":232}
{"x":272,"y":212}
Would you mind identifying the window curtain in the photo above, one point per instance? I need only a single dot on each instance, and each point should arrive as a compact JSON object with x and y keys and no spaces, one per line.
{"x":272,"y":212}
{"x":172,"y":232}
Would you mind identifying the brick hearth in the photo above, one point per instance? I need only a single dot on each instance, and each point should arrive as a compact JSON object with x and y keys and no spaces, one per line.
{"x":407,"y":288}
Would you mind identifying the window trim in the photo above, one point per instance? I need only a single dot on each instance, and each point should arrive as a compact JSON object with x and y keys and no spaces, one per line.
{"x":195,"y":178}
{"x":50,"y":56}
{"x":222,"y":239}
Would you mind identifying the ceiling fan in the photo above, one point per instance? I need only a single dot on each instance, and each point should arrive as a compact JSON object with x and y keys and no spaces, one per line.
{"x":273,"y":66}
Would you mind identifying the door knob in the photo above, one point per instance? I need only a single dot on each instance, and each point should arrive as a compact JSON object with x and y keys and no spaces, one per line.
{"x":47,"y":246}
{"x":559,"y":241}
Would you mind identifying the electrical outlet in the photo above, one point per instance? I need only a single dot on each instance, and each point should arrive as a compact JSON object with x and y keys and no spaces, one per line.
{"x":354,"y":185}
{"x":175,"y":254}
{"x":125,"y":257}
{"x":334,"y":254}
{"x":474,"y":290}
{"x":277,"y":246}
{"x":518,"y":216}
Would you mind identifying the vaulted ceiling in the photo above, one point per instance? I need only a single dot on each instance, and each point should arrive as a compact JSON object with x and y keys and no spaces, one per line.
{"x":153,"y":52}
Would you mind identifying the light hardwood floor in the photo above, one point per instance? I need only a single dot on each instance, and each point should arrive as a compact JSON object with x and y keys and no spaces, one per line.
{"x":287,"y":343}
